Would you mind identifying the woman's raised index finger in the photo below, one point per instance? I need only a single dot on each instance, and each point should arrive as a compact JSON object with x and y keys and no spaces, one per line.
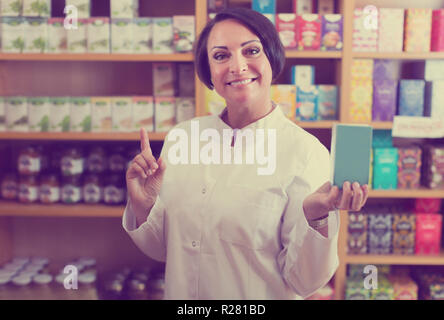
{"x":144,"y":140}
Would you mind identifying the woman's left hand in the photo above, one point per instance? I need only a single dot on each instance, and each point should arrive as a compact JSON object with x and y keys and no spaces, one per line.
{"x":327,"y":198}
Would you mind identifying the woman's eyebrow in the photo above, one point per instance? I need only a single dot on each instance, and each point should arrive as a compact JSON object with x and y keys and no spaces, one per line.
{"x":242,"y":44}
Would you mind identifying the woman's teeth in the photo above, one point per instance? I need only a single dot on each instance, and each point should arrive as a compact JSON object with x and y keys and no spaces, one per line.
{"x":241,"y":82}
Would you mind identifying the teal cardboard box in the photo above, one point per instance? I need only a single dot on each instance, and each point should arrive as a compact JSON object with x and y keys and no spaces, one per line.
{"x":385,"y":168}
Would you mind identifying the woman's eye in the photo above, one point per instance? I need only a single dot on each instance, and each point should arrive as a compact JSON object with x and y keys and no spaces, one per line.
{"x":219,"y":56}
{"x":253,"y":51}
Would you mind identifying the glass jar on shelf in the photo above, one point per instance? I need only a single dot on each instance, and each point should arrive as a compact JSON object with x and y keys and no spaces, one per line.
{"x":93,"y":188}
{"x":49,"y":190}
{"x":114,"y":190}
{"x":29,"y":161}
{"x":72,"y":162}
{"x":28,"y":189}
{"x":71,"y":191}
{"x":10,"y":185}
{"x":117,"y":159}
{"x":97,"y":161}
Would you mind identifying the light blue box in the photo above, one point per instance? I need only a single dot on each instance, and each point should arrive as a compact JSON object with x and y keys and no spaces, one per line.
{"x":382,"y":139}
{"x":306,"y":103}
{"x":327,"y":102}
{"x":411,"y":98}
{"x":302,"y":75}
{"x":264,"y":6}
{"x":385,"y":156}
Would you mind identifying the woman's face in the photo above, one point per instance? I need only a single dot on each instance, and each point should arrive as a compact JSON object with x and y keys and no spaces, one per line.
{"x":240,"y":70}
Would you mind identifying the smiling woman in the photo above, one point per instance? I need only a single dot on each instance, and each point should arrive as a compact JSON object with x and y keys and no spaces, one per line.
{"x":226,"y":229}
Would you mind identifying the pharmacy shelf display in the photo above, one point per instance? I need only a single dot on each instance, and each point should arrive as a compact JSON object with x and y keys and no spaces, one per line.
{"x":340,"y":62}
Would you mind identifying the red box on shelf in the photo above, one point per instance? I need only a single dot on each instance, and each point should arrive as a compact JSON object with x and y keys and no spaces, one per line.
{"x":427,"y":205}
{"x":309,"y":32}
{"x":428,"y":233}
{"x":437,"y":38}
{"x":409,"y":167}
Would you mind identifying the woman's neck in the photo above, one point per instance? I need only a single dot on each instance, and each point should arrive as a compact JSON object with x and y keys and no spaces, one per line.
{"x":239,"y":117}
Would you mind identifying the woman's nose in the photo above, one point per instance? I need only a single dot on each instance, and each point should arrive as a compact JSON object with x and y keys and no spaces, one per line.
{"x":238,"y":64}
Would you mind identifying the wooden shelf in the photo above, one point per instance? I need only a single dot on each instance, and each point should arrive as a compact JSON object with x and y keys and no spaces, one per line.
{"x":82,"y":136}
{"x":95,"y":57}
{"x":414,"y":193}
{"x":396,"y":259}
{"x":313,"y":54}
{"x":399,"y":55}
{"x":15,"y":209}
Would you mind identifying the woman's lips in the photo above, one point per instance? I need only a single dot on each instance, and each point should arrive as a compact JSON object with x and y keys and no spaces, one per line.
{"x":241,"y":82}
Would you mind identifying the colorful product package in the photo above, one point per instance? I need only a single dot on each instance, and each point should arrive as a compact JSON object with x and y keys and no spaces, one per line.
{"x":332,"y":32}
{"x":122,"y":36}
{"x":286,"y":25}
{"x":185,"y":108}
{"x":124,"y":9}
{"x":163,"y":79}
{"x":404,"y":230}
{"x":362,"y":69}
{"x":434,"y":99}
{"x":83,"y":8}
{"x":380,"y":233}
{"x":391,"y":29}
{"x":185,"y":79}
{"x":36,"y":8}
{"x":361,"y":100}
{"x":101,"y":116}
{"x":10,"y":8}
{"x":98,"y":35}
{"x":264,"y":6}
{"x":184,"y":33}
{"x":36,"y":34}
{"x":357,"y":233}
{"x":12,"y":34}
{"x":60,"y":114}
{"x":326,"y":7}
{"x":327,"y":102}
{"x":16,"y":114}
{"x":2,"y":114}
{"x":437,"y":37}
{"x":214,"y":103}
{"x":143,"y":113}
{"x":77,"y":38}
{"x":385,"y":168}
{"x":284,"y":95}
{"x":428,"y":233}
{"x":427,"y":205}
{"x":404,"y":288}
{"x":411,"y":98}
{"x":38,"y":114}
{"x":385,"y":70}
{"x":122,"y":114}
{"x":302,"y":75}
{"x":214,"y":6}
{"x":409,"y":167}
{"x":309,"y":32}
{"x":80,"y":114}
{"x":306,"y":105}
{"x":142,"y":35}
{"x":365,"y":34}
{"x":356,"y":291}
{"x":57,"y":36}
{"x":163,"y":35}
{"x":417,"y":32}
{"x":384,"y":100}
{"x":165,"y":113}
{"x":433,"y":173}
{"x":302,"y":6}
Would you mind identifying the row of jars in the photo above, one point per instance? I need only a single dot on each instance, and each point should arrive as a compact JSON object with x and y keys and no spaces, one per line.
{"x":74,"y":160}
{"x":52,"y":188}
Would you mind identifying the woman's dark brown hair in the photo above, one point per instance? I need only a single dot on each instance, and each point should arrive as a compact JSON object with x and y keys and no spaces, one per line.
{"x":256,"y":23}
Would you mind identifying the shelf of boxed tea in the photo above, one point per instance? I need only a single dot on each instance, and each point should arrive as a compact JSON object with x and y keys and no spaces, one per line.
{"x":35,"y":278}
{"x":394,"y":282}
{"x":69,"y":180}
{"x":400,"y":233}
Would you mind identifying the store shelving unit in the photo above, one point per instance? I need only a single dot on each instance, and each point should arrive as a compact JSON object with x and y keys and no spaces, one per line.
{"x":340,"y":63}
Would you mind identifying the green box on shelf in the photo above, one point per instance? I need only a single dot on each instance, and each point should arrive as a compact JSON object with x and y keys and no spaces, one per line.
{"x":382,"y":139}
{"x":385,"y":177}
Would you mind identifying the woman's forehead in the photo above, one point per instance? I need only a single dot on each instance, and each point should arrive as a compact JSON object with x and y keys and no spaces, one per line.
{"x":231,"y":32}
